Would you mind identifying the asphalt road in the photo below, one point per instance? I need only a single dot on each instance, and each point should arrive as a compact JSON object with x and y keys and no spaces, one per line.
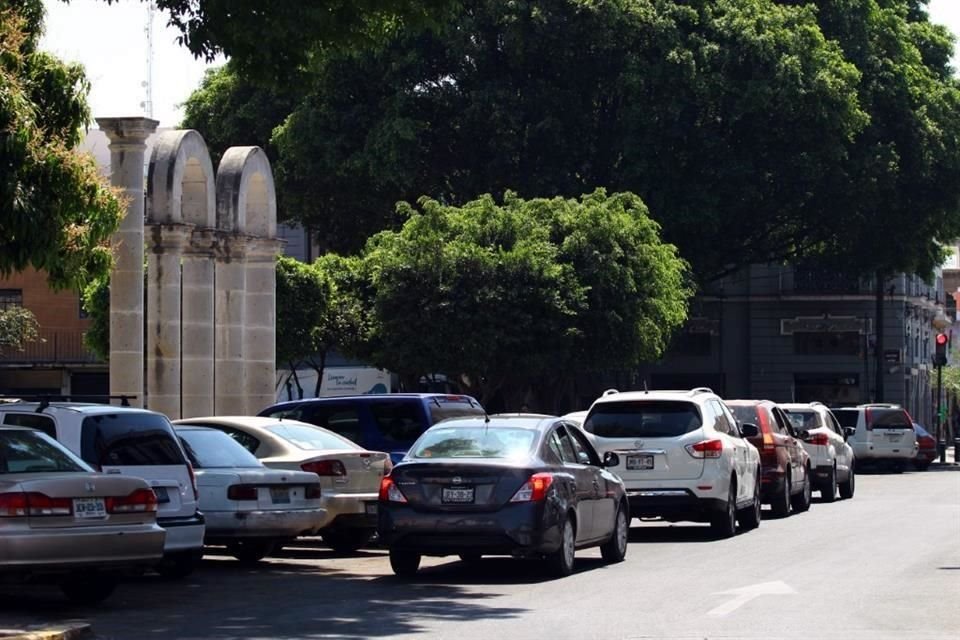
{"x":884,"y":565}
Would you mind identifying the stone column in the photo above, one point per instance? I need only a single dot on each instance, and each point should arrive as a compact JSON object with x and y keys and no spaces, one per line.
{"x":127,"y":145}
{"x":166,"y":243}
{"x":259,"y":329}
{"x":197,"y":327}
{"x":230,"y":286}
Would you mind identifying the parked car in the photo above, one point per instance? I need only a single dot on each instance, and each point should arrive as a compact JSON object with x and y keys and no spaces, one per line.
{"x":784,"y":464}
{"x":131,"y":442}
{"x":832,"y":458}
{"x":527,"y":486}
{"x":576,"y":417}
{"x":880,"y":433}
{"x":349,"y":474}
{"x":682,"y":456}
{"x":388,"y":422}
{"x":62,"y":522}
{"x":926,"y":448}
{"x":249,"y":508}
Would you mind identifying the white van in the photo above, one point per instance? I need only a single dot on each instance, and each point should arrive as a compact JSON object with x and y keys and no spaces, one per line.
{"x":132,"y":442}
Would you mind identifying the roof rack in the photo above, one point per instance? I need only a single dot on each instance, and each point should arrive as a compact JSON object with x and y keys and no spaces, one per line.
{"x":46,"y":398}
{"x":697,"y":390}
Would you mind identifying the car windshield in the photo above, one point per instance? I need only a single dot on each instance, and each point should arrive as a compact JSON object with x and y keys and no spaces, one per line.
{"x":803,"y":419}
{"x":475,"y":442}
{"x":23,"y":451}
{"x":643,"y":419}
{"x":306,"y":437}
{"x":129,"y":439}
{"x":211,"y":449}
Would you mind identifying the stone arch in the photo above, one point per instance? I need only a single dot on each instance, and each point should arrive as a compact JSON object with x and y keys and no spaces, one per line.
{"x":246,"y":196}
{"x":180,"y":181}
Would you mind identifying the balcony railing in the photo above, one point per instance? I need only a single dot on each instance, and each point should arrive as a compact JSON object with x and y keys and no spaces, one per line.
{"x":53,"y":347}
{"x":817,"y":280}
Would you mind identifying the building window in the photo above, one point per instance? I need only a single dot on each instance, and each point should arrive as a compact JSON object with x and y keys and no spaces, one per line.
{"x":10,"y":298}
{"x":839,"y":343}
{"x":691,"y":344}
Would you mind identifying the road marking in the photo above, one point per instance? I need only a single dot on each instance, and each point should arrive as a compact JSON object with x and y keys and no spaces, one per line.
{"x":746,"y":594}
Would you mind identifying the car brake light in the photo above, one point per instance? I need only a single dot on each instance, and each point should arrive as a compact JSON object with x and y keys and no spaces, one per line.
{"x":866,"y":418}
{"x":193,"y":481}
{"x":325,"y":467}
{"x":768,"y":443}
{"x":20,"y":504}
{"x":535,"y":489}
{"x":819,"y":439}
{"x":140,"y":501}
{"x":706,"y":449}
{"x":242,"y":492}
{"x":313,"y":492}
{"x":390,"y":492}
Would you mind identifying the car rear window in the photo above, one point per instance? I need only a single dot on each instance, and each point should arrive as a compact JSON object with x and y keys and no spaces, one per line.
{"x":643,"y":419}
{"x":129,"y":439}
{"x":23,"y":451}
{"x":446,"y":407}
{"x":400,"y":420}
{"x":475,"y":442}
{"x":803,"y":419}
{"x":211,"y":449}
{"x":888,"y":419}
{"x":745,"y":413}
{"x":304,"y":437}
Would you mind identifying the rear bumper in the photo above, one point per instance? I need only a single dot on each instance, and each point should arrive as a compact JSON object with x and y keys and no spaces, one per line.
{"x":869,"y":452}
{"x":262,"y":524}
{"x":349,"y":511}
{"x":183,"y":533}
{"x":672,"y":504}
{"x":63,"y":550}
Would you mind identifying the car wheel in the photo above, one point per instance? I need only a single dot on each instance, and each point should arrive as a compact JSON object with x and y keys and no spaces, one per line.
{"x":846,"y":489}
{"x":828,"y":491}
{"x":750,"y":517}
{"x":250,"y":551}
{"x":560,"y":562}
{"x":723,"y":523}
{"x":781,"y":504}
{"x":88,"y":589}
{"x":404,"y":563}
{"x":801,"y":501}
{"x":175,"y":566}
{"x":347,"y":541}
{"x":615,"y":549}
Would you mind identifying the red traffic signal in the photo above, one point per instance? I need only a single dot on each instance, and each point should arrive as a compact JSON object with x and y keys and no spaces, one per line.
{"x":940,"y":354}
{"x":942,"y":339}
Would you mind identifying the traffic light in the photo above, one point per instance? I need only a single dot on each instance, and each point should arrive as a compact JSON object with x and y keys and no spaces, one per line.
{"x":940,"y":355}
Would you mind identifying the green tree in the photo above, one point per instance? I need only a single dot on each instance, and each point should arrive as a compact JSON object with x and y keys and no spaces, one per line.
{"x":96,"y":302}
{"x":303,"y":295}
{"x":58,"y":214}
{"x":18,"y":327}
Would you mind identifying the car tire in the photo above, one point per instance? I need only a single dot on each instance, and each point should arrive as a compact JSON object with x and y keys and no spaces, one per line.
{"x":780,"y":506}
{"x":88,"y":590}
{"x":801,"y":501}
{"x":828,"y":490}
{"x":176,"y":566}
{"x":848,"y":485}
{"x":347,"y":540}
{"x":615,"y":549}
{"x":723,"y":523}
{"x":404,"y":563}
{"x":749,"y":518}
{"x":560,"y":562}
{"x":250,"y":551}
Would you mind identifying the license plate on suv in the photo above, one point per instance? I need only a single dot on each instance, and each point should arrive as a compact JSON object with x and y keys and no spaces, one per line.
{"x":639,"y":462}
{"x":458,"y":495}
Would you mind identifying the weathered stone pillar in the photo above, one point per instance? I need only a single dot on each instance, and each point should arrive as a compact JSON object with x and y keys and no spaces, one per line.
{"x":127,"y":145}
{"x":229,"y":370}
{"x":166,"y":243}
{"x":197,"y":326}
{"x":259,"y":335}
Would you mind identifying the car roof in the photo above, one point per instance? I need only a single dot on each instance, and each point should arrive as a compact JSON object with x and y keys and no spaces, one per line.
{"x":532,"y":421}
{"x":680,"y":395}
{"x":749,"y":403}
{"x":382,"y":397}
{"x":89,"y":408}
{"x":244,"y":421}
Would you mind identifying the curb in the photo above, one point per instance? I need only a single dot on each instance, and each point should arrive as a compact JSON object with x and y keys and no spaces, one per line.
{"x":72,"y":632}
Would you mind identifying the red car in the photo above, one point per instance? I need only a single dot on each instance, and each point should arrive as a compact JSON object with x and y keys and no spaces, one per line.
{"x":927,"y":452}
{"x":785,"y":464}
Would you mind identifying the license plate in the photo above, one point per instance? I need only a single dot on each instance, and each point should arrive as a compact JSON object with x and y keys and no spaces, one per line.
{"x":457,"y":496}
{"x":280,"y":495}
{"x":893,"y":436}
{"x":89,"y":508}
{"x":162,"y":495}
{"x":639,"y":463}
{"x":371,"y":508}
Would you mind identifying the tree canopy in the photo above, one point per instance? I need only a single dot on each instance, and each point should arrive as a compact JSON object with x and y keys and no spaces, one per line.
{"x":57,"y":212}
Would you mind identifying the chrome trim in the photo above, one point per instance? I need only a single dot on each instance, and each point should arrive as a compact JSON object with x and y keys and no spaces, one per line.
{"x":656,"y":493}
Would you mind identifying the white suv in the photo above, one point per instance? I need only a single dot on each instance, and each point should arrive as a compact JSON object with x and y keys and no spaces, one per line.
{"x":132,"y":442}
{"x":831,"y":458}
{"x":681,"y":455}
{"x":880,"y":432}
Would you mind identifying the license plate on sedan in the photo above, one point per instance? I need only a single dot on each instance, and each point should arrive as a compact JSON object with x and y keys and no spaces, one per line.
{"x":280,"y":495}
{"x":639,"y":462}
{"x":162,"y":495}
{"x":371,"y":508}
{"x":84,"y":508}
{"x":457,"y":496}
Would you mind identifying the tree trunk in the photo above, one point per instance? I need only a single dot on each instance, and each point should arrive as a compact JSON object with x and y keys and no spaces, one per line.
{"x":296,"y":380}
{"x":319,"y":369}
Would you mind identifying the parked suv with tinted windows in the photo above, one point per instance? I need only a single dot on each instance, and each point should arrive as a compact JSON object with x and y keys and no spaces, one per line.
{"x":681,"y":455}
{"x":133,"y":442}
{"x":825,"y":440}
{"x":880,"y":433}
{"x":379,"y":422}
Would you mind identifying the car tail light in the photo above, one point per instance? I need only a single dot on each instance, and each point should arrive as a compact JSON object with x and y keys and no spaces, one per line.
{"x":866,"y":418}
{"x":242,"y":492}
{"x":193,"y":481}
{"x":20,"y":504}
{"x":313,"y":492}
{"x":390,"y":492}
{"x":140,"y":501}
{"x":706,"y":449}
{"x":535,"y":489}
{"x":927,"y":442}
{"x":325,"y":467}
{"x":819,"y":439}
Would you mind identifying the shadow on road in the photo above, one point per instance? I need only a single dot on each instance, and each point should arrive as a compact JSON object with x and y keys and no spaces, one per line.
{"x":671,"y":533}
{"x":489,"y":571}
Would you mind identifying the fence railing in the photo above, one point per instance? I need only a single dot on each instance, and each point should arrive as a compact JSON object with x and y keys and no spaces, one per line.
{"x":52,"y":347}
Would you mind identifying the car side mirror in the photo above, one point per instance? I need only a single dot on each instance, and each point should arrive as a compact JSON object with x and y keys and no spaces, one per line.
{"x":610,"y":459}
{"x":749,"y":430}
{"x":848,"y":432}
{"x":802,"y":434}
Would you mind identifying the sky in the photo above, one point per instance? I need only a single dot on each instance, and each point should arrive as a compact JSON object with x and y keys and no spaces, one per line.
{"x":110,"y":41}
